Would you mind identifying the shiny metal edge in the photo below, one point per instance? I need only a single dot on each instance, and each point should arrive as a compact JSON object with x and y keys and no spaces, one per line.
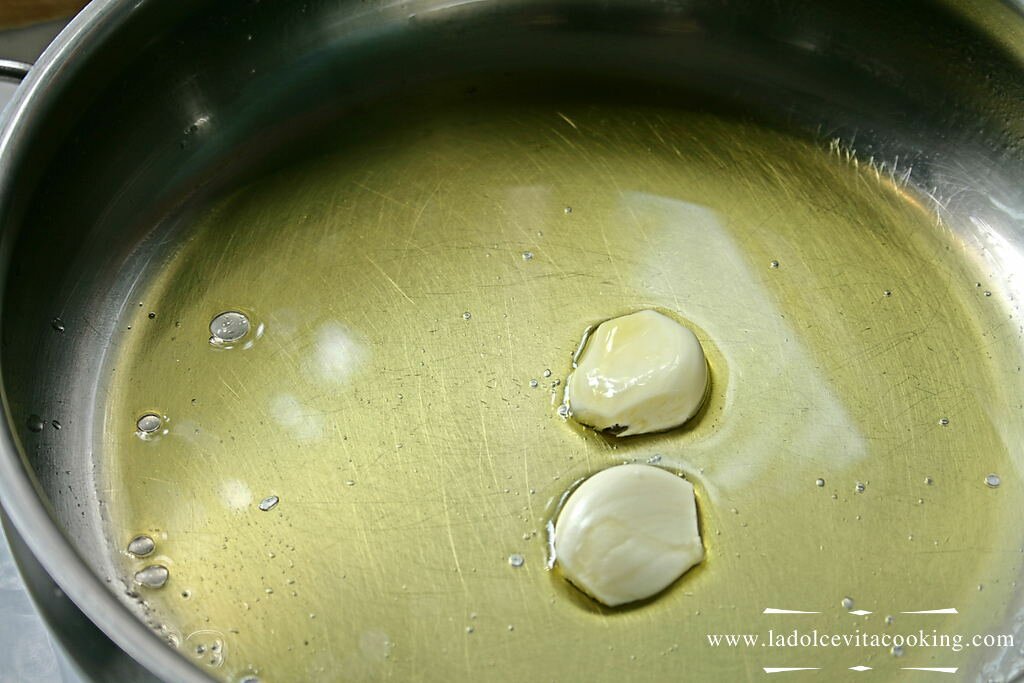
{"x":13,"y":69}
{"x":22,"y":499}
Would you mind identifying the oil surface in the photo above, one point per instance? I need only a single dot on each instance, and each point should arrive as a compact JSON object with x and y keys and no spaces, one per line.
{"x":360,"y":490}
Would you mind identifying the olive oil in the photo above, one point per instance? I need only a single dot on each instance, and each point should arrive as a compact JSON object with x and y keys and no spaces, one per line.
{"x":337,"y":495}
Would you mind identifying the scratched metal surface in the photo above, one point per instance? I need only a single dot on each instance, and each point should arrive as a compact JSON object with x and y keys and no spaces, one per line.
{"x":362,"y":256}
{"x":415,"y":279}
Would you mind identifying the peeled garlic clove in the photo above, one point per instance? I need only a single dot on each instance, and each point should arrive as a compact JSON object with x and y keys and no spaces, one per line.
{"x":627,"y":533}
{"x":639,"y":373}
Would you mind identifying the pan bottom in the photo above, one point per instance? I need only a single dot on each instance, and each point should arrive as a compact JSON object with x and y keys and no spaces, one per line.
{"x":338,"y":491}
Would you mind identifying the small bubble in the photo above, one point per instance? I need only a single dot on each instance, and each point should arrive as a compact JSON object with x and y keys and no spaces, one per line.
{"x":534,"y":384}
{"x":568,"y":209}
{"x":943,"y":421}
{"x":149,"y":423}
{"x":993,"y":481}
{"x":896,"y":650}
{"x":563,"y":410}
{"x":470,"y":629}
{"x":269,"y":503}
{"x":467,"y":315}
{"x":153,"y":576}
{"x":511,"y":627}
{"x":228,"y":327}
{"x":350,"y":482}
{"x":185,"y":595}
{"x":527,"y":255}
{"x":56,"y":424}
{"x":988,"y":293}
{"x":773,"y":264}
{"x":847,"y":603}
{"x":516,"y":560}
{"x":152,"y":315}
{"x":35,"y":423}
{"x":141,"y":546}
{"x":887,"y":292}
{"x":859,"y":487}
{"x":889,"y":620}
{"x":248,"y":36}
{"x":547,"y":373}
{"x":929,"y":481}
{"x":654,"y":459}
{"x":819,"y":482}
{"x":57,"y":324}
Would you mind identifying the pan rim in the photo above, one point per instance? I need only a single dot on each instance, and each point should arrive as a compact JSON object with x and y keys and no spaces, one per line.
{"x":20,"y":494}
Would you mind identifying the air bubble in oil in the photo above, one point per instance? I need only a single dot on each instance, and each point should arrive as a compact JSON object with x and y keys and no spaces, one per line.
{"x":228,"y":327}
{"x":141,"y":546}
{"x":153,"y":576}
{"x":993,"y":481}
{"x":35,"y":423}
{"x":148,"y":424}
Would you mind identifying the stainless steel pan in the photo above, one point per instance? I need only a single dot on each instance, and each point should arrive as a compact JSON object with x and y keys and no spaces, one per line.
{"x":96,"y":150}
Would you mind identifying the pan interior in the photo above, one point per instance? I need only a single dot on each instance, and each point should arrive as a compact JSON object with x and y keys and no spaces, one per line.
{"x":410,"y":282}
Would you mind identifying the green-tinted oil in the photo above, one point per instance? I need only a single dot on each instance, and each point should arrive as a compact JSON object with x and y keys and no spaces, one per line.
{"x":412,"y":457}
